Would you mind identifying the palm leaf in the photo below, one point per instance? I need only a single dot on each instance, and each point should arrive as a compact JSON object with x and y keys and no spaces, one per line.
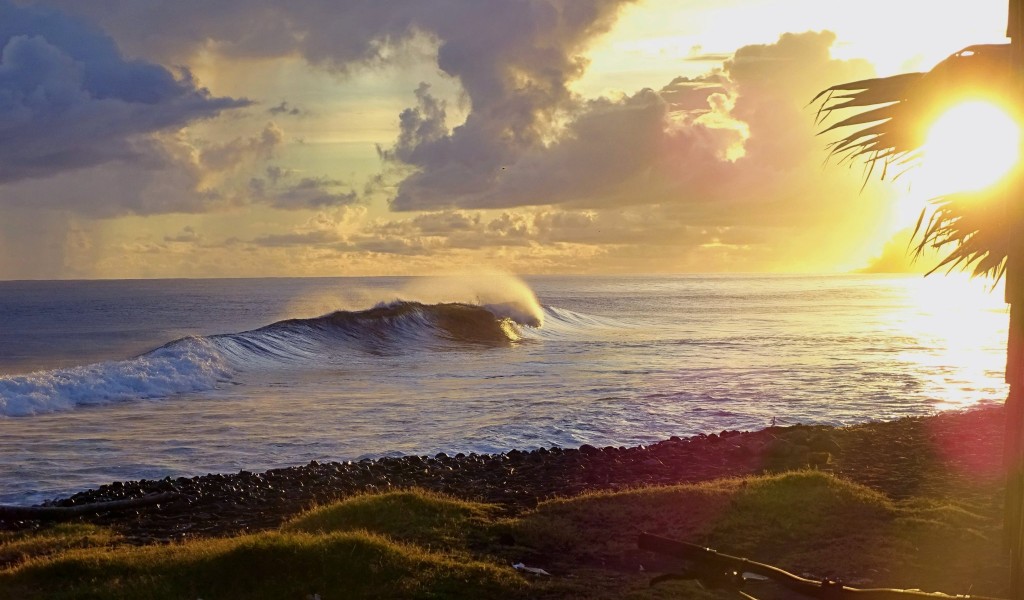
{"x":888,"y":131}
{"x":971,"y":227}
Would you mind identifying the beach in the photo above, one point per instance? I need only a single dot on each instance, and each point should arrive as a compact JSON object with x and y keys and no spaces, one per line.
{"x":939,"y":476}
{"x":914,"y":455}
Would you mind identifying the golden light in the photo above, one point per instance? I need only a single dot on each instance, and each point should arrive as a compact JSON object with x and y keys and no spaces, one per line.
{"x":974,"y":341}
{"x":970,"y":146}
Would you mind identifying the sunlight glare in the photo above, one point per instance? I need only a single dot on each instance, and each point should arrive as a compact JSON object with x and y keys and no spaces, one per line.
{"x":971,"y":146}
{"x":970,"y":340}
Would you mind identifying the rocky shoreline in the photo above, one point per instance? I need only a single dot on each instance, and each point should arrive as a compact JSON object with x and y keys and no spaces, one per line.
{"x":227,"y":504}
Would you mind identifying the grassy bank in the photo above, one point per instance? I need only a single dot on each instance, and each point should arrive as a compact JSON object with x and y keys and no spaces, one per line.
{"x":917,"y":520}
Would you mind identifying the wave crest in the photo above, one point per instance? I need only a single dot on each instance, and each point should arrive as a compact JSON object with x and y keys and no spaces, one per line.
{"x":189,"y":364}
{"x":196,"y":364}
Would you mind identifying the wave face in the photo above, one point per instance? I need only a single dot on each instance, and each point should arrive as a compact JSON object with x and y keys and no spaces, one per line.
{"x":196,"y":364}
{"x":186,"y":365}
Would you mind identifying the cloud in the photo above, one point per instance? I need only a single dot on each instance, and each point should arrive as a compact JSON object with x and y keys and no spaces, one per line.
{"x":285,"y":109}
{"x":228,"y":156}
{"x":330,"y":229}
{"x":314,"y":193}
{"x":514,"y":60}
{"x":70,"y":100}
{"x":170,"y":174}
{"x":188,"y":235}
{"x":309,"y":193}
{"x":307,"y":238}
{"x":668,"y":177}
{"x":546,"y":227}
{"x":444,"y":223}
{"x":693,"y":94}
{"x":162,"y":178}
{"x":695,"y":143}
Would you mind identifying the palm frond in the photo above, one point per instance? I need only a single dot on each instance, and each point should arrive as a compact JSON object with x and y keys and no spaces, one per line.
{"x":888,"y":133}
{"x":972,"y":229}
{"x":884,"y":124}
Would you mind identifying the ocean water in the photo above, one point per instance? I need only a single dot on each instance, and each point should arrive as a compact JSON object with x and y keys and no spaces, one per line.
{"x":111,"y":380}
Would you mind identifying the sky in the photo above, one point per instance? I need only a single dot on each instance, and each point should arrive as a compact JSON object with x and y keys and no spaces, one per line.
{"x":190,"y":138}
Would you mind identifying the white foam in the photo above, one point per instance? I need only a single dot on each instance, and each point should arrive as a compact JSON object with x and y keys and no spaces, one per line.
{"x":494,"y":290}
{"x":188,"y":365}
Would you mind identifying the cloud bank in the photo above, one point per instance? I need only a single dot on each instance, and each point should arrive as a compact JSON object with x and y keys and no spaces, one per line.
{"x":695,"y":173}
{"x":69,"y":99}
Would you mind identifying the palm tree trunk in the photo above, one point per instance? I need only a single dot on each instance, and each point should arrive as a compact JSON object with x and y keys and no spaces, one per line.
{"x":1013,"y":448}
{"x":1013,"y":443}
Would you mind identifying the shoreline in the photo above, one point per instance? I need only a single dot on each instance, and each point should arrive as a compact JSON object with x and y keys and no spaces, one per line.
{"x":964,"y":444}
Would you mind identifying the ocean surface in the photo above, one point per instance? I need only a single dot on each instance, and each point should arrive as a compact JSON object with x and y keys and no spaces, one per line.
{"x":103,"y":381}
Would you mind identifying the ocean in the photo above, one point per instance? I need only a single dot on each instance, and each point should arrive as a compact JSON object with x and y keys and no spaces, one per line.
{"x":103,"y":381}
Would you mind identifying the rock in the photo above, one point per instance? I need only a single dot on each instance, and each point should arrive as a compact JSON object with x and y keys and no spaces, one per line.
{"x":218,"y":504}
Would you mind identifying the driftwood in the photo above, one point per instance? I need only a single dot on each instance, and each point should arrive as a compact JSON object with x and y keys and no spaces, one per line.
{"x":66,"y":513}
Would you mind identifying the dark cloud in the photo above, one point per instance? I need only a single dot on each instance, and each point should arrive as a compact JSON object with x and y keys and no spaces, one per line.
{"x":515,"y":60}
{"x":275,"y":173}
{"x":748,"y":156}
{"x":162,"y":178}
{"x":281,"y":190}
{"x":69,"y":99}
{"x":423,"y":133}
{"x":285,"y":109}
{"x":314,"y":193}
{"x":701,"y":163}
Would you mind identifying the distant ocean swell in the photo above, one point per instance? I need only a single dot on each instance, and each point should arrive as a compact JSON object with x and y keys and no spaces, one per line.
{"x":196,"y":364}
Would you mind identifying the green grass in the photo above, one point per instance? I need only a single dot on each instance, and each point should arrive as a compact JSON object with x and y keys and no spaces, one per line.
{"x":417,"y":544}
{"x":269,"y":565}
{"x":419,"y":517}
{"x":18,"y":547}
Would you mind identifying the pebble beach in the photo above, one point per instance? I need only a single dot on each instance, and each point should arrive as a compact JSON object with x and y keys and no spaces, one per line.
{"x":899,"y":458}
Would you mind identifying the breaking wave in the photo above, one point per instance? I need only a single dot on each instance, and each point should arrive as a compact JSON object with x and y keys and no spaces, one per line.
{"x":196,"y":364}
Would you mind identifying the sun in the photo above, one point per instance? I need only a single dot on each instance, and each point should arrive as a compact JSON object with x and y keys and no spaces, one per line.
{"x":969,"y":147}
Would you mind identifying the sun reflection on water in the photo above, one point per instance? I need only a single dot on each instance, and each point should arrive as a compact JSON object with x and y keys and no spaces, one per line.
{"x":960,"y":325}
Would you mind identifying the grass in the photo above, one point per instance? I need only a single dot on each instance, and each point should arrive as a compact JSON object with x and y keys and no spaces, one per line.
{"x":268,"y":565}
{"x":419,"y":517}
{"x":417,"y":544}
{"x":16,"y":548}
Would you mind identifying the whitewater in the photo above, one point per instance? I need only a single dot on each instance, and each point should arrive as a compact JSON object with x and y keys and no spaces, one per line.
{"x":111,"y":380}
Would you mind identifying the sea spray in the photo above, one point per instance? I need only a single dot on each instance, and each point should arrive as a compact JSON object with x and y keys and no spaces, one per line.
{"x":504,"y":294}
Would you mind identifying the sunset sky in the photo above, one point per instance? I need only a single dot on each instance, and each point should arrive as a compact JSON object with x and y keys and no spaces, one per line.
{"x":199,"y":138}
